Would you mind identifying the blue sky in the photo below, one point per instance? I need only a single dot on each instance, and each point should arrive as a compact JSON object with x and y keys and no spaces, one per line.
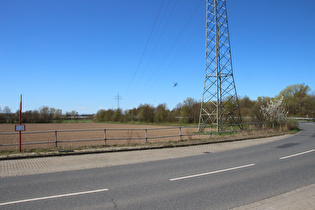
{"x":79,"y":54}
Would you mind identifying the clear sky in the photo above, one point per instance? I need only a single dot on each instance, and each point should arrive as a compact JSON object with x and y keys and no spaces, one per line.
{"x":79,"y":54}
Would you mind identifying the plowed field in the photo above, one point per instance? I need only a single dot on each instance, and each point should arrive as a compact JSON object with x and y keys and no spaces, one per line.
{"x":87,"y":134}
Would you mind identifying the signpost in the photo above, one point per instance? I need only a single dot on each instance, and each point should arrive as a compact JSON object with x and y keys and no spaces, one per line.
{"x":20,"y":127}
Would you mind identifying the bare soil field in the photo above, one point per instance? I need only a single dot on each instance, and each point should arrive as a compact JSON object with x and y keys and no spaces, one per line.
{"x":66,"y":135}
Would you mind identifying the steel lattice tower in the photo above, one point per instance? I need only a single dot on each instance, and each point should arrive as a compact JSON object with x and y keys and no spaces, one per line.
{"x":219,"y":103}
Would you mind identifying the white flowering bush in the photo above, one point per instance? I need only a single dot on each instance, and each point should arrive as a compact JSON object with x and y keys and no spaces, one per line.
{"x":274,"y":112}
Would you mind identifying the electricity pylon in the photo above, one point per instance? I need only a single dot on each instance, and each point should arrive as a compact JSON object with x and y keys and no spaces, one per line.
{"x":118,"y":98}
{"x":219,"y":103}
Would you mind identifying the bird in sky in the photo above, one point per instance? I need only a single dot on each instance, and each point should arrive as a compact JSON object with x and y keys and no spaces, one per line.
{"x":175,"y":84}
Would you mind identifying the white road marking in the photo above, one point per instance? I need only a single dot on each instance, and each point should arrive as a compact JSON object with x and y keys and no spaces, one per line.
{"x":302,"y":153}
{"x":212,"y":172}
{"x":54,"y":196}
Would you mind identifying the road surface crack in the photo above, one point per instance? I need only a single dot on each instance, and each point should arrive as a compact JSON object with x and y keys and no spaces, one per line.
{"x":115,"y":205}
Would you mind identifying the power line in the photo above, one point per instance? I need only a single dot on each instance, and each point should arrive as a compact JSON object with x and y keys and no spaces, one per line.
{"x":179,"y":36}
{"x":175,"y":57}
{"x":174,"y":44}
{"x":160,"y":36}
{"x":147,"y":43}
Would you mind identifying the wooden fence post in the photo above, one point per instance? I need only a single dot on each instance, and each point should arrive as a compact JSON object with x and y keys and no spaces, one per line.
{"x":146,"y":135}
{"x":56,"y":140}
{"x":180,"y":134}
{"x":104,"y":136}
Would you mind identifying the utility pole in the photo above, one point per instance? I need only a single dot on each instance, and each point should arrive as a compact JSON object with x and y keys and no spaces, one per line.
{"x":219,"y":103}
{"x":118,"y":98}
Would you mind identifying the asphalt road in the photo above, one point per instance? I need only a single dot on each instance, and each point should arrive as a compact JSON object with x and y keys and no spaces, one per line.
{"x":210,"y":181}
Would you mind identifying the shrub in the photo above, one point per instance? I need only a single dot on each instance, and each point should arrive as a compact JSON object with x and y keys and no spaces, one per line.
{"x":274,"y":112}
{"x":291,"y":124}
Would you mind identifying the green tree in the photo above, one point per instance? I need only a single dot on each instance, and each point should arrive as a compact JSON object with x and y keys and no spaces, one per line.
{"x":44,"y":114}
{"x":52,"y":112}
{"x":74,"y":114}
{"x":146,"y":113}
{"x":189,"y":110}
{"x":7,"y":110}
{"x":246,"y":107}
{"x":109,"y":115}
{"x":58,"y":115}
{"x":161,"y":113}
{"x":131,"y":115}
{"x":117,"y":116}
{"x":35,"y":116}
{"x":298,"y":100}
{"x":2,"y":117}
{"x":27,"y":117}
{"x":174,"y":115}
{"x":100,"y":115}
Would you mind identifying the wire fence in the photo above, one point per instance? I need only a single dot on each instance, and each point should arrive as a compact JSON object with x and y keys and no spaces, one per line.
{"x":96,"y":137}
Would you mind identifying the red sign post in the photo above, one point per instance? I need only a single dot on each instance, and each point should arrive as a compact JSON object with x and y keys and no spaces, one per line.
{"x":20,"y":127}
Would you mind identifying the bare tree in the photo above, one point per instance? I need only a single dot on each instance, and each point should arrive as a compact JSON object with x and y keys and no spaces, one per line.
{"x":7,"y":110}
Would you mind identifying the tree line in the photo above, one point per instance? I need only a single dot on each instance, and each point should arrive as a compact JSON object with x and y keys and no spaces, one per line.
{"x":297,"y":101}
{"x":44,"y":115}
